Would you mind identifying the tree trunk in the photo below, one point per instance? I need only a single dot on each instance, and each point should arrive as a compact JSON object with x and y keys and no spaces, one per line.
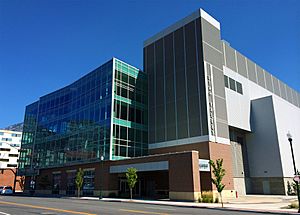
{"x":221,"y":198}
{"x":130,"y":193}
{"x":78,"y":192}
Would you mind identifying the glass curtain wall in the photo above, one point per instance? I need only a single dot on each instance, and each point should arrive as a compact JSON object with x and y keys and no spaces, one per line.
{"x":29,"y":128}
{"x":130,"y":136}
{"x":73,"y":123}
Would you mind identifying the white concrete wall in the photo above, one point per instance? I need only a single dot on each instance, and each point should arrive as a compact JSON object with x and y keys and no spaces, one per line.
{"x":287,"y":118}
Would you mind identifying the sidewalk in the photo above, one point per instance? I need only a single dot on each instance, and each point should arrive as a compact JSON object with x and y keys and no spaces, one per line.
{"x":255,"y":203}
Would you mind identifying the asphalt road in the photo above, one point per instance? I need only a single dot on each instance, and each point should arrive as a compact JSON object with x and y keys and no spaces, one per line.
{"x":16,"y":205}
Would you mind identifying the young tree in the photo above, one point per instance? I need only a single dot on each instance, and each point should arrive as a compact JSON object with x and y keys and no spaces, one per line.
{"x":131,"y":176}
{"x":79,"y":180}
{"x":219,"y":173}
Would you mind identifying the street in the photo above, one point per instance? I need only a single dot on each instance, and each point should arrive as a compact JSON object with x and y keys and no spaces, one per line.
{"x":16,"y":205}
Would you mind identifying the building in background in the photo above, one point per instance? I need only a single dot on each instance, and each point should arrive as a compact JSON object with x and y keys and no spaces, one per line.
{"x":10,"y":144}
{"x":198,"y":99}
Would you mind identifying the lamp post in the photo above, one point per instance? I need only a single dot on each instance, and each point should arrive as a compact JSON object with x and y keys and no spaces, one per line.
{"x":290,"y":139}
{"x":101,"y":175}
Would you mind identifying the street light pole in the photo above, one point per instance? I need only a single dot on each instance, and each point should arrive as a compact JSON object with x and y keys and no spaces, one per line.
{"x":290,"y":139}
{"x":101,"y":175}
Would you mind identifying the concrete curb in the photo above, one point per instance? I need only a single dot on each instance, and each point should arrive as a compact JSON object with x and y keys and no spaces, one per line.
{"x":263,"y":211}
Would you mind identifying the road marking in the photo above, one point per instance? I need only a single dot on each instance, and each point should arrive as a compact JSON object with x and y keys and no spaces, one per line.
{"x":4,"y":213}
{"x":45,"y":208}
{"x":142,"y":212}
{"x":161,"y":208}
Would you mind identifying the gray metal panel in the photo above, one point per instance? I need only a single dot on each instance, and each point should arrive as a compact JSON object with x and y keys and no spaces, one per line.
{"x":230,"y":57}
{"x":211,"y":34}
{"x":251,"y":71}
{"x":223,"y":130}
{"x":241,"y":63}
{"x":289,"y":94}
{"x":221,"y":111}
{"x":295,"y":98}
{"x":260,"y":76}
{"x":276,"y":86}
{"x":219,"y":85}
{"x":269,"y":84}
{"x":212,"y":56}
{"x":265,"y":136}
{"x":283,"y":93}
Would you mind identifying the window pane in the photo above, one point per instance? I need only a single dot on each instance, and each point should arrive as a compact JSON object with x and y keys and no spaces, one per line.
{"x":232,"y":84}
{"x":239,"y":88}
{"x":226,"y":81}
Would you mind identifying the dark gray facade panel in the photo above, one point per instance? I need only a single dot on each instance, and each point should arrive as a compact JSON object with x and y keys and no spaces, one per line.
{"x":221,"y":111}
{"x":179,"y":64}
{"x":151,"y":124}
{"x":201,"y":80}
{"x":241,"y":63}
{"x":219,"y":85}
{"x":211,"y":34}
{"x":171,"y":121}
{"x":251,"y":71}
{"x":160,"y":89}
{"x":222,"y":130}
{"x":230,"y":57}
{"x":181,"y":105}
{"x":269,"y":84}
{"x":192,"y":80}
{"x":149,"y":63}
{"x":276,"y":86}
{"x":160,"y":124}
{"x":169,"y":68}
{"x":170,"y":88}
{"x":212,"y":56}
{"x":282,"y":90}
{"x":182,"y":125}
{"x":159,"y":73}
{"x":151,"y":74}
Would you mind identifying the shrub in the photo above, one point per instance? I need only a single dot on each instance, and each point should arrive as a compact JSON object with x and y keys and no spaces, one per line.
{"x":294,"y":205}
{"x":207,"y":197}
{"x":112,"y":195}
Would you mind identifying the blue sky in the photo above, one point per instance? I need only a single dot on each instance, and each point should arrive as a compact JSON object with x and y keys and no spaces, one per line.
{"x":45,"y":45}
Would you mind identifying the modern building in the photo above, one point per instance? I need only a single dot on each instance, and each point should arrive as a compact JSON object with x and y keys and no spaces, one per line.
{"x":10,"y":144}
{"x":198,"y":99}
{"x":206,"y":96}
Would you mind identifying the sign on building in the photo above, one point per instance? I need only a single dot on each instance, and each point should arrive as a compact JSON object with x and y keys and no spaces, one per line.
{"x":204,"y":165}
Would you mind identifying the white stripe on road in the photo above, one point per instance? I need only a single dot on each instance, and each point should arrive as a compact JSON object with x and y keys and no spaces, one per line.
{"x":4,"y":213}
